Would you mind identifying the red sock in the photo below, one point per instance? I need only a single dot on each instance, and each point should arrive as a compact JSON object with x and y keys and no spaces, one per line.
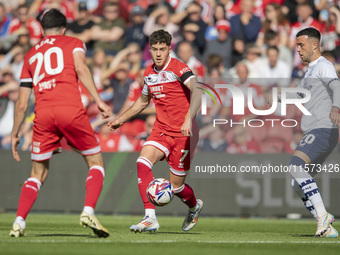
{"x":145,"y":176}
{"x":186,"y":194}
{"x":29,"y":194}
{"x":94,"y":184}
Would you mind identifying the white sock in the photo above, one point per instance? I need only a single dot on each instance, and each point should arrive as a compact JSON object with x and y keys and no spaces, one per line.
{"x":308,"y":204}
{"x":151,"y":213}
{"x":309,"y":188}
{"x":88,"y":210}
{"x":20,"y":220}
{"x":195,"y":208}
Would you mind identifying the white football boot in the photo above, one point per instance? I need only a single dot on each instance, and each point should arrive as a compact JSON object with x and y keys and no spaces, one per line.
{"x":92,"y":222}
{"x":192,"y":217}
{"x":330,"y":232}
{"x":324,"y":222}
{"x":146,"y":224}
{"x":17,"y":231}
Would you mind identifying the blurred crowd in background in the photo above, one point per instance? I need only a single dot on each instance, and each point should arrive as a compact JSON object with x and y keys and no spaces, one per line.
{"x":247,"y":43}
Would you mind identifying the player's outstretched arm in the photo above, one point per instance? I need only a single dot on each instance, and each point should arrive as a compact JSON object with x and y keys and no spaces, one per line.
{"x":85,"y":77}
{"x":138,"y":106}
{"x":334,"y":114}
{"x":19,"y":116}
{"x":195,"y":103}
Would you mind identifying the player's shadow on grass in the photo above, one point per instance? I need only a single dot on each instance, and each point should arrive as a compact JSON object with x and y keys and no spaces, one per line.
{"x":65,"y":235}
{"x":302,"y":236}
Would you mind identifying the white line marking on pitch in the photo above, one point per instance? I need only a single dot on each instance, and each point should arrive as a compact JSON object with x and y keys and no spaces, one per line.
{"x":169,"y":241}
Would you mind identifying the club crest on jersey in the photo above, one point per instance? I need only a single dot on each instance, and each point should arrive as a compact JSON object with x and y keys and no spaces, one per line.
{"x":163,"y":76}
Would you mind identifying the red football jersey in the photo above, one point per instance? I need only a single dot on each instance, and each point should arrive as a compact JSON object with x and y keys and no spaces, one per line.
{"x":49,"y":69}
{"x":170,"y":95}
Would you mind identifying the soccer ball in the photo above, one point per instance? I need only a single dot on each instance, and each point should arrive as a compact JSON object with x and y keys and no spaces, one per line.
{"x":160,"y":192}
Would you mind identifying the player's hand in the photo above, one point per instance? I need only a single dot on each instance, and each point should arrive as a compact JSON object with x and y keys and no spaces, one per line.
{"x":15,"y":143}
{"x":335,"y":115}
{"x":114,"y":124}
{"x":186,"y":127}
{"x":105,"y":109}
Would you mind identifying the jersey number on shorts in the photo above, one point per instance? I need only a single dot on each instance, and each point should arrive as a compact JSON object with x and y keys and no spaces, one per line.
{"x":185,"y":153}
{"x":307,"y":139}
{"x":46,"y":60}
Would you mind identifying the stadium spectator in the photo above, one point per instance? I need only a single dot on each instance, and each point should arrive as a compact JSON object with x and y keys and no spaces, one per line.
{"x":81,"y":27}
{"x":331,"y":33}
{"x":274,"y":72}
{"x":57,"y":93}
{"x":244,"y":83}
{"x":192,"y":15}
{"x":218,"y":14}
{"x":120,"y":84}
{"x":230,"y":8}
{"x":135,"y":33}
{"x":143,"y":137}
{"x":109,"y":33}
{"x":289,"y":7}
{"x":24,"y":21}
{"x":305,"y":19}
{"x":272,"y":38}
{"x":13,"y":61}
{"x":222,"y":45}
{"x":112,"y":141}
{"x":160,"y":19}
{"x":186,"y":54}
{"x":4,"y":21}
{"x":155,"y":4}
{"x":245,"y":25}
{"x":274,"y":21}
{"x":243,"y":142}
{"x":212,"y":139}
{"x":8,"y":95}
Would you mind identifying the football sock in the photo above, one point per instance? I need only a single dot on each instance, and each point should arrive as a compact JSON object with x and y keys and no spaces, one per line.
{"x":94,"y":184}
{"x":151,"y":213}
{"x":29,"y":194}
{"x":308,"y":204}
{"x":145,"y":176}
{"x":309,"y":188}
{"x":19,"y":220}
{"x":186,"y":194}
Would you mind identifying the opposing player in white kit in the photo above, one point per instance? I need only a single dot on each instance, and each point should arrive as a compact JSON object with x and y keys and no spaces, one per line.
{"x":320,"y":128}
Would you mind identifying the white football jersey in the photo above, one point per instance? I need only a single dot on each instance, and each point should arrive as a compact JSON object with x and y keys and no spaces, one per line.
{"x":319,"y":75}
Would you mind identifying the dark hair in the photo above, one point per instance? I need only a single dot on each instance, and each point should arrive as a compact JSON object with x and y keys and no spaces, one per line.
{"x":53,"y":19}
{"x":160,"y":36}
{"x":273,"y":47}
{"x":270,"y":35}
{"x":310,"y":32}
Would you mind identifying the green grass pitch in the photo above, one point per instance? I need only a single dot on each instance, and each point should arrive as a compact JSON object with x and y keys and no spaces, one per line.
{"x":61,"y":234}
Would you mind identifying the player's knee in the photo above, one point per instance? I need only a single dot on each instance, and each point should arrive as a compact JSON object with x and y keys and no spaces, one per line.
{"x":94,"y":160}
{"x":297,"y":161}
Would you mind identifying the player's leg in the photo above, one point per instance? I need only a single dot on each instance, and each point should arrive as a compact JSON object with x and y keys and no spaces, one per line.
{"x":179,"y":161}
{"x":29,"y":194}
{"x":148,"y":157}
{"x":310,"y":190}
{"x":79,"y":134}
{"x":94,"y":185}
{"x":187,"y":196}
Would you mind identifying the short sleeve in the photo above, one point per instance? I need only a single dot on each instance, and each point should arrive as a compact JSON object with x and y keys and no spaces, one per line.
{"x":26,"y":77}
{"x":145,"y":90}
{"x":183,"y":72}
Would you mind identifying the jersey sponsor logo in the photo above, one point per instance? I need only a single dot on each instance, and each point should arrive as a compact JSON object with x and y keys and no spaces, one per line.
{"x":184,"y":70}
{"x":46,"y":85}
{"x":156,"y":88}
{"x":36,"y":147}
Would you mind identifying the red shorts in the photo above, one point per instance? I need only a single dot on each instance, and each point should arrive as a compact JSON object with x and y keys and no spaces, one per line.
{"x":179,"y":151}
{"x":53,"y":123}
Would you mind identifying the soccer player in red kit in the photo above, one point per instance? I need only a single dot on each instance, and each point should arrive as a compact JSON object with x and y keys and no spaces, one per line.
{"x":52,"y":69}
{"x":169,"y":82}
